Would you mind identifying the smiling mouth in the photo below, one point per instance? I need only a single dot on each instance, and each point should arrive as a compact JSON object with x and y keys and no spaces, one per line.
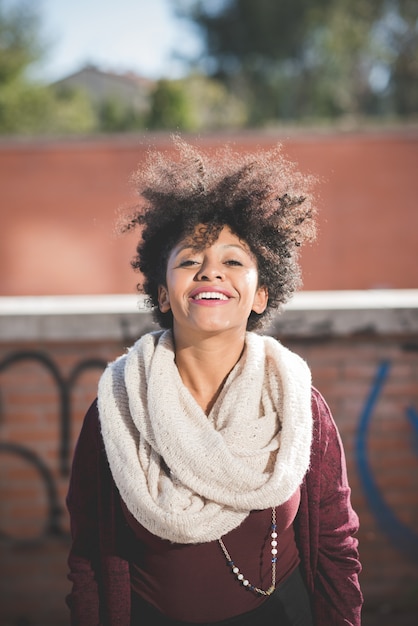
{"x":210,"y":295}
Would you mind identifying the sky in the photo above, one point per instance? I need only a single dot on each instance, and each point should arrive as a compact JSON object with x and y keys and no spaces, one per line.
{"x":115,"y":35}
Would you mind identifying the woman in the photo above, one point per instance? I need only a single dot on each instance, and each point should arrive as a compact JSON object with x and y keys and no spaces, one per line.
{"x":209,"y":482}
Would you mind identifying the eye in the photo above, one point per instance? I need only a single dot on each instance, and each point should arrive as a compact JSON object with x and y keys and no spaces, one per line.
{"x":188,"y":263}
{"x":233,"y":262}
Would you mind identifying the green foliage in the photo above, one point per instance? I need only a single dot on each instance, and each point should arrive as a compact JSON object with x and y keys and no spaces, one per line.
{"x":212,"y":106}
{"x":23,"y":108}
{"x":114,"y":116}
{"x":308,"y":59}
{"x":401,"y":31}
{"x":19,"y":41}
{"x":27,"y":109}
{"x":170,"y":108}
{"x":244,"y":33}
{"x":195,"y":103}
{"x":71,"y":113}
{"x":265,"y":61}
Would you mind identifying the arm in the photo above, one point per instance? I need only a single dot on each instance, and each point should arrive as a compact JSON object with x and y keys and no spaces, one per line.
{"x":337,"y":595}
{"x":82,"y":503}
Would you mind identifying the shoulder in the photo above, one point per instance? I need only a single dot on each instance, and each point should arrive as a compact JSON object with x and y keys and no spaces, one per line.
{"x":323,"y":421}
{"x":89,"y":436}
{"x":91,"y":419}
{"x":320,"y":409}
{"x":327,"y":450}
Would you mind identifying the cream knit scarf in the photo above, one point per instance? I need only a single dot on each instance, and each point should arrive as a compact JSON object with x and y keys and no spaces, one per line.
{"x":191,"y":478}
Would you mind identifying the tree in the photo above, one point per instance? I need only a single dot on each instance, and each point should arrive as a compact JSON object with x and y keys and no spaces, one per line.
{"x":310,"y":58}
{"x":115,"y":116}
{"x":27,"y":107}
{"x":212,"y":106}
{"x":19,"y":40}
{"x":399,"y":29}
{"x":170,"y":108}
{"x":258,"y":49}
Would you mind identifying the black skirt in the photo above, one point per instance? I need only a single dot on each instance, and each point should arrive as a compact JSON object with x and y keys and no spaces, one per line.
{"x":288,"y":605}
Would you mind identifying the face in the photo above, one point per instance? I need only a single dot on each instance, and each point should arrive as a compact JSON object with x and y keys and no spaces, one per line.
{"x":213,"y":289}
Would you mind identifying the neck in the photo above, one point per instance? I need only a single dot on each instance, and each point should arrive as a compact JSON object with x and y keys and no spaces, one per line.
{"x":204,"y":365}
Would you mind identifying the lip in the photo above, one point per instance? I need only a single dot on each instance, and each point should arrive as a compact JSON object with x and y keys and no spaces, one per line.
{"x":208,"y":288}
{"x":209,"y":302}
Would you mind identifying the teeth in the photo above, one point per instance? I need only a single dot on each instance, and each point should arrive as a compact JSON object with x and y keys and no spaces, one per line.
{"x":210,"y":295}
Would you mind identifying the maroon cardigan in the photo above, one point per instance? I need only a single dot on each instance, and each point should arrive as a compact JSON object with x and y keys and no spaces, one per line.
{"x":324,"y":527}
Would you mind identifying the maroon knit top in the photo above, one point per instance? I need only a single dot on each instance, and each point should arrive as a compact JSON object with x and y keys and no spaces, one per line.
{"x":175,"y":578}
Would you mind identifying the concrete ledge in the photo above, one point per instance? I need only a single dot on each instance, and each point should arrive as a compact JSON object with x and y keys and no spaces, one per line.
{"x":125,"y":317}
{"x":73,"y":318}
{"x":347,"y":313}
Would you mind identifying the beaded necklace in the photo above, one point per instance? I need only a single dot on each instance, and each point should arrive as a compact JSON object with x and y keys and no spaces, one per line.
{"x":241,"y":578}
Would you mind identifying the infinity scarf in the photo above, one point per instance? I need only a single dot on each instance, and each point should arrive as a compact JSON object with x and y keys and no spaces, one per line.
{"x":189,"y":477}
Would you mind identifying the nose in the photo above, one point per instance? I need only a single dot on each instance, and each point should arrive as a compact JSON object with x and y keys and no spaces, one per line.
{"x":210,"y":270}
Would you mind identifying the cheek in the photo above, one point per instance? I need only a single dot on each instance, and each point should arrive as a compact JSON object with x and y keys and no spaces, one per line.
{"x":176,"y":293}
{"x":251,"y":280}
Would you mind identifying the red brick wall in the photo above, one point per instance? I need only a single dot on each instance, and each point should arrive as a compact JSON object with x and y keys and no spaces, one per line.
{"x":32,"y":562}
{"x":59,"y":203}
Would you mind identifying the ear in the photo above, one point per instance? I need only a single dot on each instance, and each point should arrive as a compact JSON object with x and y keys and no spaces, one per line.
{"x":260,"y":300}
{"x":163,"y":299}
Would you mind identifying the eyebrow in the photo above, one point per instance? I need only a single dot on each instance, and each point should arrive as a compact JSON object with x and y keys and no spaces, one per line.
{"x":188,"y":246}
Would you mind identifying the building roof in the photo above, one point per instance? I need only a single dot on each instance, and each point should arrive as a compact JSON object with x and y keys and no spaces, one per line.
{"x":100,"y":85}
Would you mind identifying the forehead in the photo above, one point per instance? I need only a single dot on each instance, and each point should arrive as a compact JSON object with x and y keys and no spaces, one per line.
{"x":205,"y":237}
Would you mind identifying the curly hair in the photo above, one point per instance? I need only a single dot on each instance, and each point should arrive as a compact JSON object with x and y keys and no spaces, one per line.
{"x":261,"y":197}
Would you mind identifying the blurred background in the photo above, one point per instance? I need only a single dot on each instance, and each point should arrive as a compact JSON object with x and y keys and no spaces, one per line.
{"x":91,"y":67}
{"x":86,"y":88}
